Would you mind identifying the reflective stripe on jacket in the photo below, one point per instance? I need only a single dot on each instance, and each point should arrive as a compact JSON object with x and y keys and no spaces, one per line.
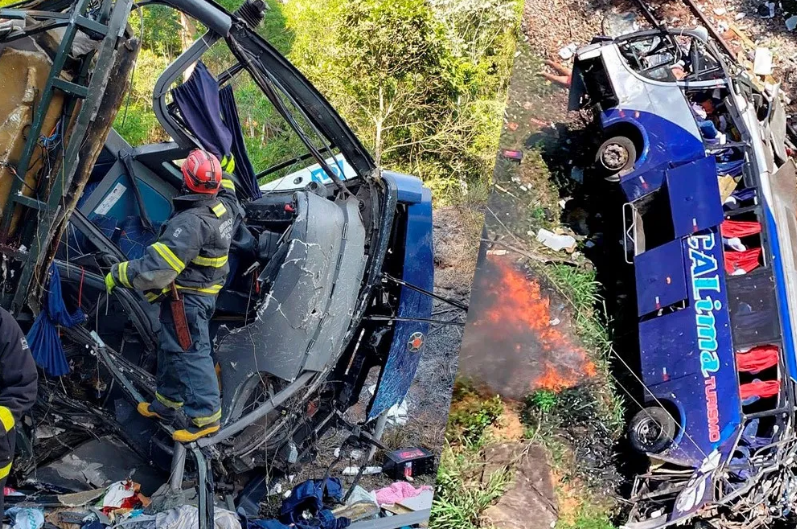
{"x":192,"y":250}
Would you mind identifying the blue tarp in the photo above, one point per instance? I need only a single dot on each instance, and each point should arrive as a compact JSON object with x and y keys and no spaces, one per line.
{"x":43,"y":340}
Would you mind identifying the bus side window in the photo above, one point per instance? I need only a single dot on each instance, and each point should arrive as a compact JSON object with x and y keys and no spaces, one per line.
{"x":655,"y":216}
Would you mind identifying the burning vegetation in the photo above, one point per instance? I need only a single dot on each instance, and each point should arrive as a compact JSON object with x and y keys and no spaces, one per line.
{"x":520,"y":340}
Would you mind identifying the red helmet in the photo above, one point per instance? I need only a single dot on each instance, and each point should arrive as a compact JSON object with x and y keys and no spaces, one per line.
{"x":202,"y":172}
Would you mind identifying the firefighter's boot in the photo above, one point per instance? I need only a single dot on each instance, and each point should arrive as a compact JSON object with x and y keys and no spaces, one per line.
{"x":156,"y":410}
{"x":193,"y":432}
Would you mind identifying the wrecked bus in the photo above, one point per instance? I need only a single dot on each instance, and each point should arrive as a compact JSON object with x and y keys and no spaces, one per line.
{"x":330,"y":276}
{"x":702,"y":156}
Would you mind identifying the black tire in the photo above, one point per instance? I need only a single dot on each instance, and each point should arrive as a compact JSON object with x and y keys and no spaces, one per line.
{"x":616,"y":157}
{"x":652,"y":430}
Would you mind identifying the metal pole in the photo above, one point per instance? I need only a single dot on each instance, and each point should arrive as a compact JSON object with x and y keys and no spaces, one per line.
{"x":205,"y":506}
{"x":379,"y":430}
{"x":714,"y":33}
{"x":178,"y":467}
{"x":394,"y":522}
{"x":259,"y":413}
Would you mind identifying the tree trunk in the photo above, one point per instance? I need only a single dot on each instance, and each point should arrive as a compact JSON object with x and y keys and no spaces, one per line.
{"x":379,"y":124}
{"x":186,"y":39}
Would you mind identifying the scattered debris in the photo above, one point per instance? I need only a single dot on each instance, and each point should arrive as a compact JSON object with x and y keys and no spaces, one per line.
{"x":616,"y":24}
{"x":187,"y":517}
{"x":568,"y":51}
{"x":353,"y":471}
{"x":554,"y":322}
{"x":513,"y":155}
{"x":398,"y":492}
{"x":497,"y":252}
{"x":739,"y":16}
{"x":408,"y":463}
{"x":791,"y":23}
{"x":577,"y":174}
{"x":767,"y":10}
{"x":397,"y":415}
{"x":556,"y":242}
{"x":763,"y":62}
{"x":354,"y":454}
{"x":512,"y":126}
{"x":26,"y":517}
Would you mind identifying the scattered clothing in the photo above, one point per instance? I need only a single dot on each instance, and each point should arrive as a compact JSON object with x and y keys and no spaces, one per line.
{"x":311,"y":496}
{"x":187,"y":517}
{"x":45,"y":343}
{"x":123,"y":499}
{"x":398,"y":491}
{"x":118,"y":495}
{"x":25,"y":517}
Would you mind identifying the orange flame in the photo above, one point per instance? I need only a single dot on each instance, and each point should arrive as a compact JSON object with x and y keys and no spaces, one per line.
{"x":518,"y":317}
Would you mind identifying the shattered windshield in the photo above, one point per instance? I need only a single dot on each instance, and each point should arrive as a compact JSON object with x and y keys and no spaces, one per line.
{"x":276,"y":130}
{"x":668,"y":57}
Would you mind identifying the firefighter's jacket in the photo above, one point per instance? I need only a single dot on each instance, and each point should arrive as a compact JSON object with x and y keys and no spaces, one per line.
{"x":243,"y":242}
{"x":192,"y":250}
{"x":228,"y":197}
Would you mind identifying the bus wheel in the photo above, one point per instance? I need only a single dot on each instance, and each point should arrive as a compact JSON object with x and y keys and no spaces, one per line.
{"x":652,"y":430}
{"x":616,"y":156}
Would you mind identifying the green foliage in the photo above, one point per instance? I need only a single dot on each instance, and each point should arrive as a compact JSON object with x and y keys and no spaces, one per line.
{"x":543,"y":400}
{"x":459,"y":497}
{"x":591,"y":517}
{"x":472,"y":417}
{"x":421,"y":82}
{"x":135,"y":120}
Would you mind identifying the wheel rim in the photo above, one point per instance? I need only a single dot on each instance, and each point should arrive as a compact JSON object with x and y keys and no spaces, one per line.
{"x":649,"y":432}
{"x":614,"y":157}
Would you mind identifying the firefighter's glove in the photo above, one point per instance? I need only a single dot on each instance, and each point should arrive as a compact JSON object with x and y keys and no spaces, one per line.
{"x":110,"y":283}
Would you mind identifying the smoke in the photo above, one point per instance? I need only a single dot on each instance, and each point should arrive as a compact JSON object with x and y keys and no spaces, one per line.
{"x":515,"y":342}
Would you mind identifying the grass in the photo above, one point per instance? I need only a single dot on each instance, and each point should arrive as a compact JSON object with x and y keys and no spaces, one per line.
{"x":579,"y":286}
{"x":544,"y":400}
{"x":460,"y":498}
{"x":461,"y":495}
{"x":472,"y":417}
{"x":589,"y":518}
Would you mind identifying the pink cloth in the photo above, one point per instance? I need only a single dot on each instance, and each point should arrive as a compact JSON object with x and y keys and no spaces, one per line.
{"x":398,"y":491}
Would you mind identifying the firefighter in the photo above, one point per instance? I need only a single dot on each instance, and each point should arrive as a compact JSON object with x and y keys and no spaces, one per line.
{"x":18,"y":387}
{"x":185,"y":269}
{"x":227,"y":194}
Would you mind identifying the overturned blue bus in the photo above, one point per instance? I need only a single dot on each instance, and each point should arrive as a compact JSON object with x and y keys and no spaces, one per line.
{"x":703,"y":158}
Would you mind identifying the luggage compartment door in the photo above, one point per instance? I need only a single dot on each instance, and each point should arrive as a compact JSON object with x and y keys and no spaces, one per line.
{"x":694,"y":196}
